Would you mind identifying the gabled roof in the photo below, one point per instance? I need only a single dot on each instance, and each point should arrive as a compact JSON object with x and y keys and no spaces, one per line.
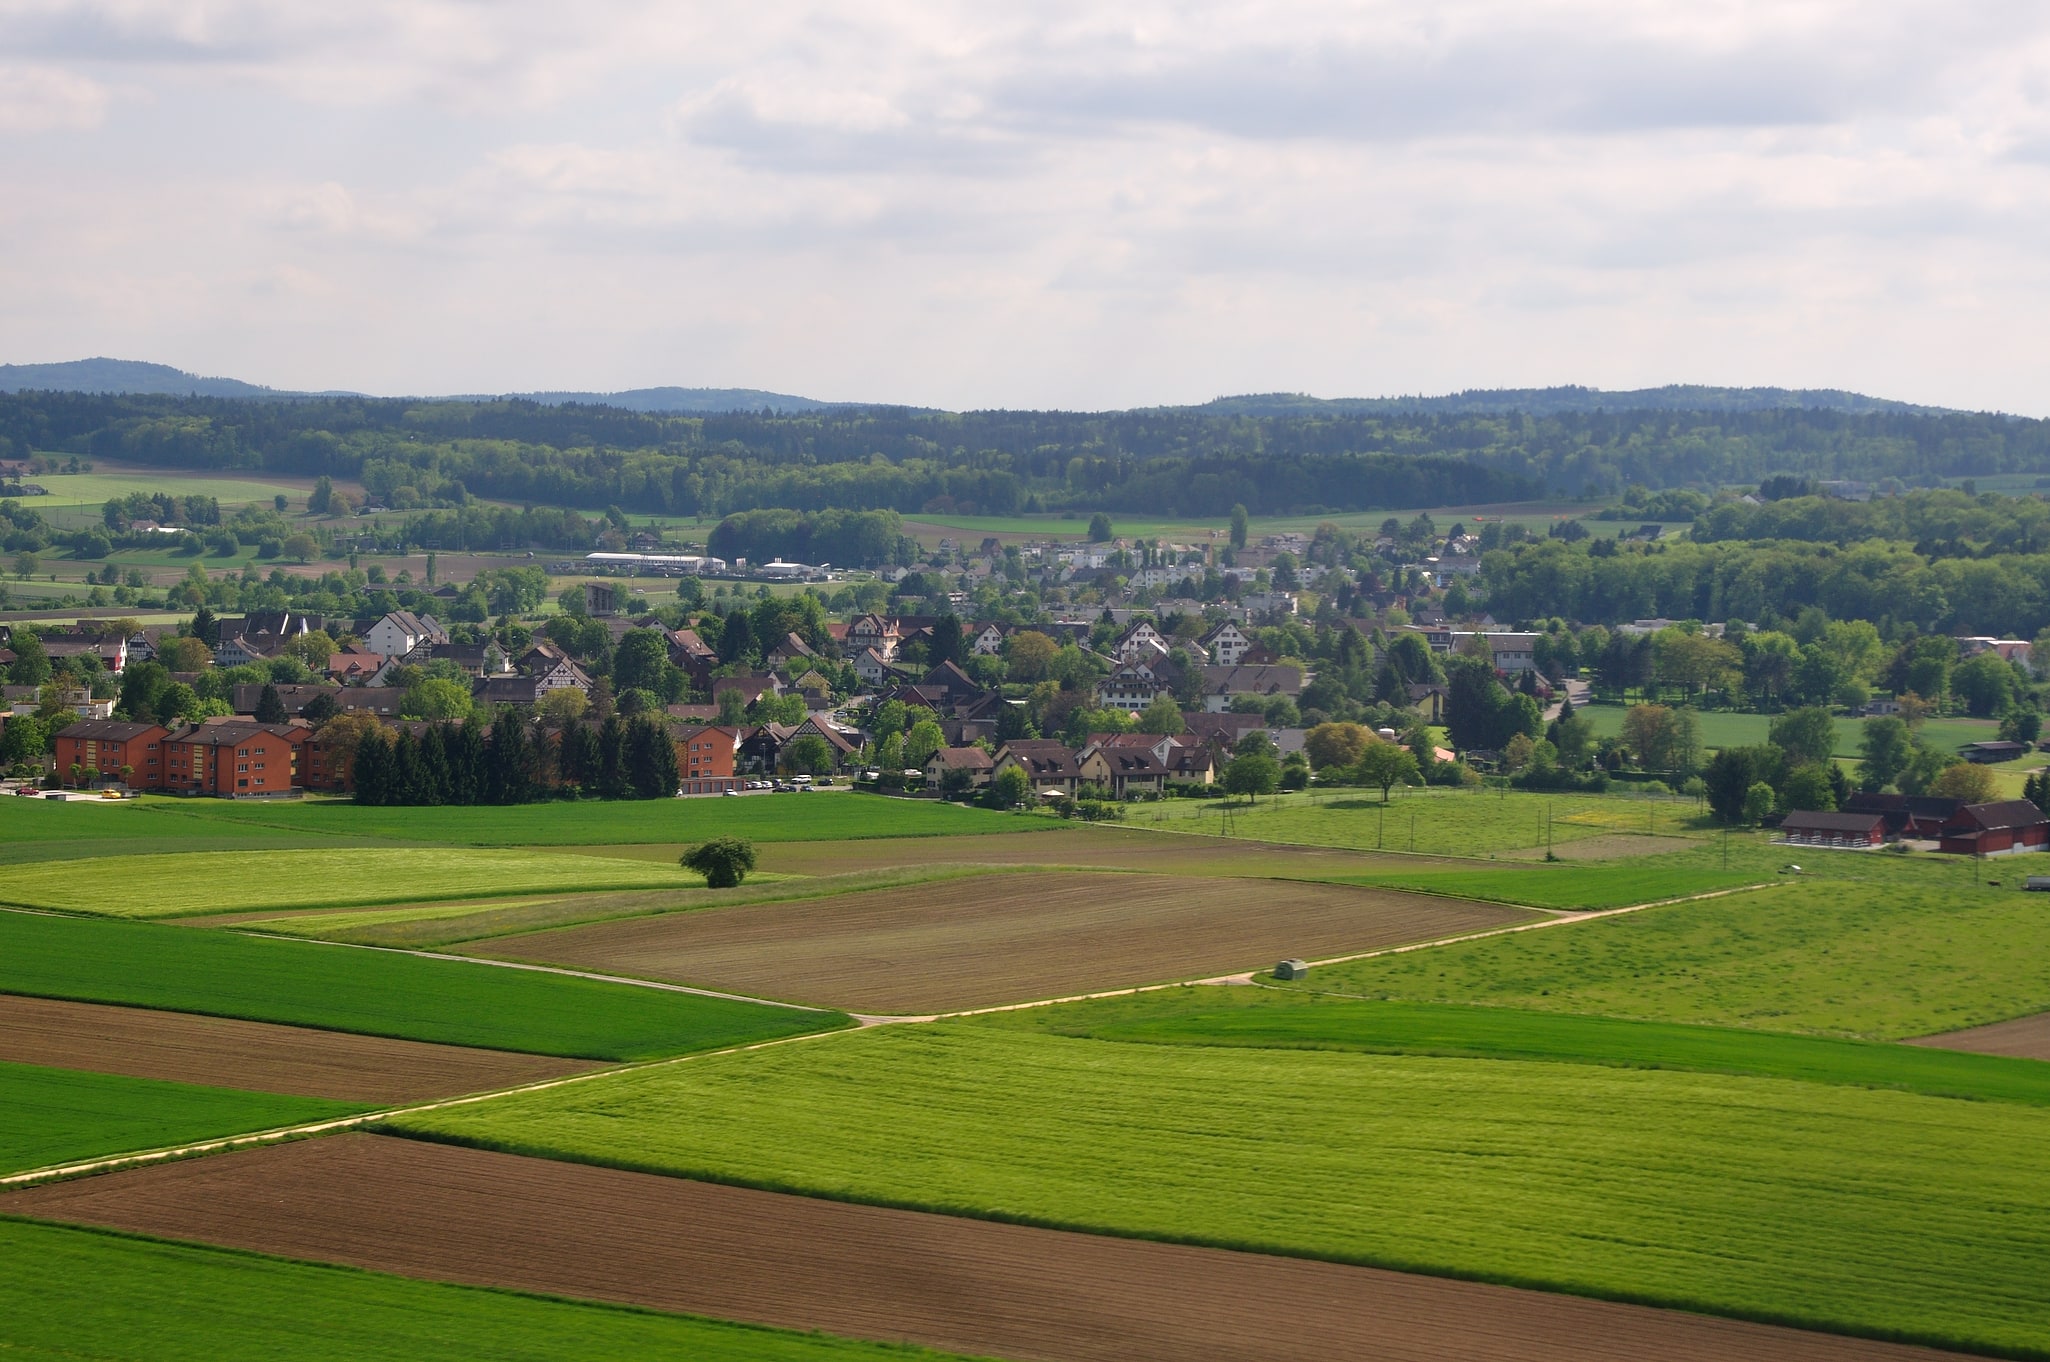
{"x":2006,"y":813}
{"x":1042,"y":756}
{"x":1819,"y":821}
{"x":962,"y":759}
{"x":106,"y":730}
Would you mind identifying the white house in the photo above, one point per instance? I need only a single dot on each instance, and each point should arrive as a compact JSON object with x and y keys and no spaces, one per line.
{"x":401,"y":632}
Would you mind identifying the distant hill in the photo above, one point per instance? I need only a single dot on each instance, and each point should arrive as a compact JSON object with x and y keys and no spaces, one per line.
{"x":684,"y":400}
{"x":122,"y":376}
{"x":1552,"y":401}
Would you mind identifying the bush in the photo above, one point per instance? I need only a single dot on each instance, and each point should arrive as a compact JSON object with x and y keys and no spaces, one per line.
{"x":723,"y":861}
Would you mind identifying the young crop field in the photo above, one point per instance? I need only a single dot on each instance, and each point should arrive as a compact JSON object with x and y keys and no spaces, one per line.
{"x":183,"y":1047}
{"x":379,"y":993}
{"x":139,"y":1296}
{"x":1599,"y":884}
{"x":1271,"y":1019}
{"x":1002,"y":938}
{"x":772,"y":818}
{"x":47,"y":829}
{"x":1912,"y":950}
{"x":63,"y":1115}
{"x":976,"y":1286}
{"x":196,"y":883}
{"x":1836,"y":1207}
{"x":1438,"y":822}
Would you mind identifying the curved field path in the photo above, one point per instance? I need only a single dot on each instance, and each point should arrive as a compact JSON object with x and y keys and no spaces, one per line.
{"x":971,"y":1286}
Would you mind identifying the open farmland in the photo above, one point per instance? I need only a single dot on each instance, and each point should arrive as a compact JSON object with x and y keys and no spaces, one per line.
{"x":139,"y":1297}
{"x":801,"y":1262}
{"x":1912,"y":950}
{"x":1269,"y":1018}
{"x":767,"y":818}
{"x":227,"y":882}
{"x":1001,"y":938}
{"x":2021,"y":1037}
{"x":43,"y":829}
{"x":183,"y":1047}
{"x":1109,"y":847}
{"x":60,"y":1115}
{"x":1861,"y":1211}
{"x":1434,"y":821}
{"x":379,"y":993}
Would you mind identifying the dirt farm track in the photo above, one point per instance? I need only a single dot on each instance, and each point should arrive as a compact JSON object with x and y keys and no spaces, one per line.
{"x":217,"y":1051}
{"x":1003,"y":938}
{"x":972,"y":1286}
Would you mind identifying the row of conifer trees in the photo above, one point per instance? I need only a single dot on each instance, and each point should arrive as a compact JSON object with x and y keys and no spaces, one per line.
{"x":510,"y":762}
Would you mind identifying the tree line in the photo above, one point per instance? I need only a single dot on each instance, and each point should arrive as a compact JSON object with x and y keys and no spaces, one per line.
{"x":507,"y":763}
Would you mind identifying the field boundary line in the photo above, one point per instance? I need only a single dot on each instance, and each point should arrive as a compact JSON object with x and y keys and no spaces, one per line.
{"x":312,"y":1129}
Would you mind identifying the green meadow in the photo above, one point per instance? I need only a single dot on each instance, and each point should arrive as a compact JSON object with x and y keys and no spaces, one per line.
{"x":380,"y":993}
{"x":1434,"y":821}
{"x":50,"y":1116}
{"x":836,"y":816}
{"x":1876,"y":1212}
{"x":1720,"y":728}
{"x":1272,"y":1019}
{"x":1912,"y":948}
{"x":203,"y":882}
{"x":140,"y":1297}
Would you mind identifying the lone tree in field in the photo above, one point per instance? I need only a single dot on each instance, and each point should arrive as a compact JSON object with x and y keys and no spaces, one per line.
{"x":723,"y":861}
{"x":1386,"y":764}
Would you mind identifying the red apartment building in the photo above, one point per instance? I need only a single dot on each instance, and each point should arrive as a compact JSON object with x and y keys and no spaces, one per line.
{"x":105,"y":747}
{"x":233,"y":757}
{"x":704,"y":759}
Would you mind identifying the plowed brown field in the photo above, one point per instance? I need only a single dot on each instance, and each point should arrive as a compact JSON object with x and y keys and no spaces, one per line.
{"x":2021,"y":1038}
{"x":255,"y":1055}
{"x":972,"y":1286}
{"x":1003,"y":938}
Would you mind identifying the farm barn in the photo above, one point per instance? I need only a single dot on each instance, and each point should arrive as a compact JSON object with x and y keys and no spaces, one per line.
{"x":1846,"y":830}
{"x":2001,"y":829}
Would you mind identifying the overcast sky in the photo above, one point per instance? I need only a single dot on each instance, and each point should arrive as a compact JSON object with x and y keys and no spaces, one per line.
{"x":1059,"y":204}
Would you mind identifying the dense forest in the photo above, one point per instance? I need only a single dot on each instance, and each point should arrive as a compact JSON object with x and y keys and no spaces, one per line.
{"x":1182,"y":462}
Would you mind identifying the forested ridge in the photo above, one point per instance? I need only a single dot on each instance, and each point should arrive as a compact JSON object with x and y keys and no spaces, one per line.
{"x":1187,"y":462}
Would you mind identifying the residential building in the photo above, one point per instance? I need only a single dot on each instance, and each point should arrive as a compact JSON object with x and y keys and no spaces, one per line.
{"x":979,"y":765}
{"x":705,"y":758}
{"x":1047,"y":762}
{"x":113,"y":751}
{"x":1221,"y":684}
{"x":1226,"y":644}
{"x":400,"y":632}
{"x":233,"y":757}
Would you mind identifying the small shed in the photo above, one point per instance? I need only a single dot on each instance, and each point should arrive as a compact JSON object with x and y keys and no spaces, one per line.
{"x":1291,"y":969}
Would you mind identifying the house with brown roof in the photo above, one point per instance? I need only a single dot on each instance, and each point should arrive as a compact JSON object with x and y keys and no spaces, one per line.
{"x":1828,"y":828}
{"x":1222,"y":684}
{"x":1047,"y":762}
{"x":979,"y":765}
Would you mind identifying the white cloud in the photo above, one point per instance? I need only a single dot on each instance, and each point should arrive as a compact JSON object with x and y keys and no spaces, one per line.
{"x":45,"y":99}
{"x":1070,"y":203}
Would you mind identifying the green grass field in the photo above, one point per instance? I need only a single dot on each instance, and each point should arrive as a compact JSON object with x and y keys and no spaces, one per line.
{"x":380,"y":993}
{"x":1912,"y":950}
{"x":1271,"y":1019}
{"x":93,"y":489}
{"x":48,"y":830}
{"x":779,"y":818}
{"x":64,"y":1115}
{"x":1573,"y":885}
{"x":1435,"y":821}
{"x":69,"y":1294}
{"x":1720,"y":728}
{"x":1831,"y":1206}
{"x":202,"y":882}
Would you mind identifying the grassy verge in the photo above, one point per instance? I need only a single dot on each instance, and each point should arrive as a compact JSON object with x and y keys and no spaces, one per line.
{"x":72,"y":1293}
{"x":1917,"y":949}
{"x":379,"y":993}
{"x":1872,"y":1212}
{"x":62,"y":1115}
{"x":201,"y":882}
{"x":1271,"y":1019}
{"x":1587,"y":884}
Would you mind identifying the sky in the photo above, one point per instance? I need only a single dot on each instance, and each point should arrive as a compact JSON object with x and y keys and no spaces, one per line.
{"x":1075,"y":205}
